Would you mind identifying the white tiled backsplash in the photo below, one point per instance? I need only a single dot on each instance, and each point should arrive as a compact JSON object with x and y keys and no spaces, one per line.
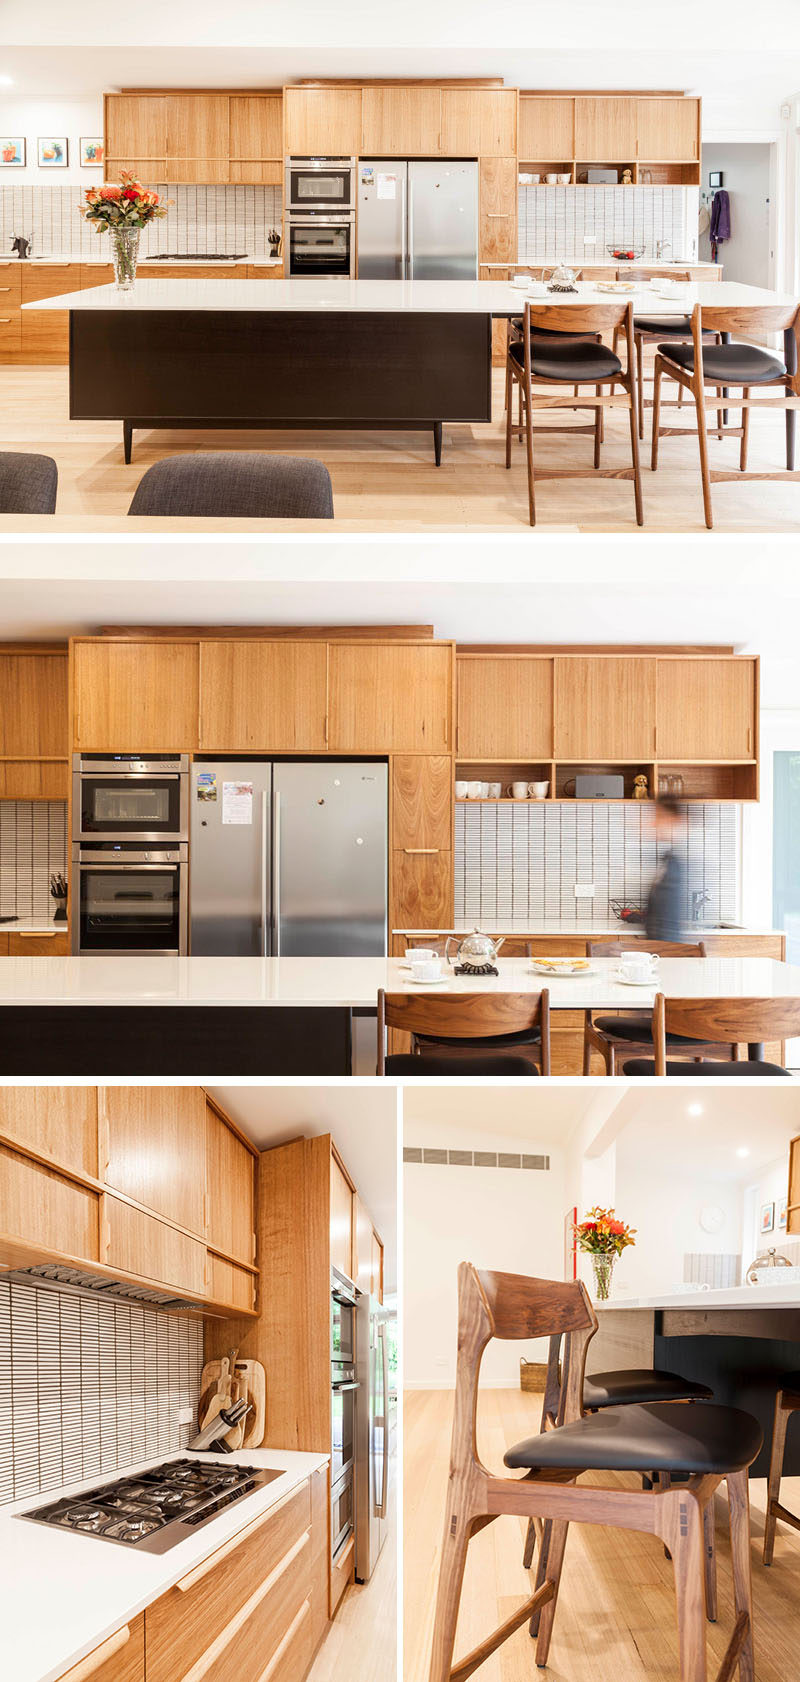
{"x":522,"y":861}
{"x":207,"y":219}
{"x":555,"y":221}
{"x":89,"y":1387}
{"x":717,"y":1271}
{"x":33,"y":846}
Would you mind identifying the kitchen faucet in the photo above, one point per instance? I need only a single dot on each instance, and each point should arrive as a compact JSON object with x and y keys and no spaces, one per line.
{"x":662,"y":245}
{"x":699,"y":899}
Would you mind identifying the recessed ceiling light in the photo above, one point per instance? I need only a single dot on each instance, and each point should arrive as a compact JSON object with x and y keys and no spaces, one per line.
{"x":743,"y":1150}
{"x":6,"y":81}
{"x":695,"y":1109}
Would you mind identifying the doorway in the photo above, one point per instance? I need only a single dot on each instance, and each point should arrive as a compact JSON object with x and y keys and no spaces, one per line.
{"x":748,"y":172}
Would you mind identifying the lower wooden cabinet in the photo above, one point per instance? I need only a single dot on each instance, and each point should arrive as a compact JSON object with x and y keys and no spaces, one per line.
{"x":320,"y":1553}
{"x":50,"y":943}
{"x":422,"y":888}
{"x":342,"y":1573}
{"x":119,"y":1659}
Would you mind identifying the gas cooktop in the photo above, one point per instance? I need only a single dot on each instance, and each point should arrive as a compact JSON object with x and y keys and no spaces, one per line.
{"x":157,"y":1509}
{"x":198,"y":257}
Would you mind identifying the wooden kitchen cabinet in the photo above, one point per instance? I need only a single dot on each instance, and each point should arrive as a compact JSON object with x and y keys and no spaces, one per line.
{"x":497,"y":233}
{"x":422,"y":801}
{"x":390,"y":697}
{"x":153,"y":1148}
{"x":10,"y":300}
{"x":319,"y":1483}
{"x":256,"y":139}
{"x":118,"y":1659}
{"x":34,"y":697}
{"x":422,"y":889}
{"x":270,"y":697}
{"x":479,"y":123}
{"x":605,"y":129}
{"x":362,"y":1245}
{"x":322,"y":122}
{"x":707,"y":708}
{"x":668,"y":130}
{"x":45,"y":334}
{"x":230,"y":1177}
{"x":605,"y":708}
{"x":401,"y":122}
{"x":136,"y":135}
{"x":31,"y":779}
{"x":376,"y":1270}
{"x":546,"y":129}
{"x":229,"y":1284}
{"x":341,"y":1223}
{"x":197,"y":137}
{"x":40,"y":943}
{"x":505,"y":707}
{"x":59,"y":1121}
{"x":42,"y":1207}
{"x":141,"y":1244}
{"x":132,"y":697}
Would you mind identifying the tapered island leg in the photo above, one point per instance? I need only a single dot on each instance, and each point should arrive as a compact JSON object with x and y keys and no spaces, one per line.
{"x":127,"y":441}
{"x":437,"y":442}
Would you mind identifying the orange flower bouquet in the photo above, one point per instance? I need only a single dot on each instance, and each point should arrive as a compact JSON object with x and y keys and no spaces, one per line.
{"x":122,"y":208}
{"x":604,"y":1238}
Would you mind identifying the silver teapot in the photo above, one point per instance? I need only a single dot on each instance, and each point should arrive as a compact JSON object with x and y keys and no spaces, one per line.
{"x":560,"y":276}
{"x":475,"y":952}
{"x":772,"y":1258}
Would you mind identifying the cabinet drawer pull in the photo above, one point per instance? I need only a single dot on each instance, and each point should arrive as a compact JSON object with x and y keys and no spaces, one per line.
{"x":5,"y":288}
{"x":498,"y":215}
{"x":207,"y":1663}
{"x":421,"y":849}
{"x":5,"y":319}
{"x":285,"y":1642}
{"x":36,"y":934}
{"x":91,"y":1664}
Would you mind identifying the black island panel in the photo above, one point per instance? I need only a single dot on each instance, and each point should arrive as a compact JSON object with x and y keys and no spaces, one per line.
{"x":194,"y":1040}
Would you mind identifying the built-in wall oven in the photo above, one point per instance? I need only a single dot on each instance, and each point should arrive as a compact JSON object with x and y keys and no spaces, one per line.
{"x":320,"y":217}
{"x":320,"y":184}
{"x":344,"y":1390}
{"x":130,"y":797}
{"x":130,"y":898}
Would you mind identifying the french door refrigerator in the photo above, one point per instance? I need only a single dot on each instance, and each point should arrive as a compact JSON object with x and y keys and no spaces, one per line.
{"x":417,"y":220}
{"x":288,"y":858}
{"x":373,"y":1483}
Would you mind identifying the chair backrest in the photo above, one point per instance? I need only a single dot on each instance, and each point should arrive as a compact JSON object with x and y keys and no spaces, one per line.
{"x":28,"y":483}
{"x":583,"y":317}
{"x":659,"y":948}
{"x":648,"y":273}
{"x":236,"y":484}
{"x":464,"y":1016}
{"x":753,"y":323}
{"x":723,"y":1021}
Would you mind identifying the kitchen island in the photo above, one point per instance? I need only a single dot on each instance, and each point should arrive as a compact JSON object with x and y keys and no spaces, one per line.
{"x":307,"y":354}
{"x":281,"y":1016}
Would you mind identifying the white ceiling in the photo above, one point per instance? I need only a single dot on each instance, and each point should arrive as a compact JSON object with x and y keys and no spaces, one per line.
{"x":543,"y":1118}
{"x":363,"y":1122}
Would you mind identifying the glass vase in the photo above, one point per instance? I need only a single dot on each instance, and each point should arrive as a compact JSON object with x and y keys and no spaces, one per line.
{"x":125,"y":253}
{"x":602,"y":1268}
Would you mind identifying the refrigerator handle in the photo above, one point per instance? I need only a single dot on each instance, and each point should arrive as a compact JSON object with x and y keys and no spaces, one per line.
{"x":276,"y":875}
{"x":380,"y":1511}
{"x":264,"y":873}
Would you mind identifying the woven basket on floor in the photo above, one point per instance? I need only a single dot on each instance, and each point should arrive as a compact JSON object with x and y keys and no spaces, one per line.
{"x":532,"y":1375}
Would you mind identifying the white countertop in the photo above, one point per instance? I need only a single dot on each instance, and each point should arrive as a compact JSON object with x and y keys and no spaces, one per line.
{"x":34,"y":925}
{"x":564,"y":925}
{"x":400,"y":297}
{"x":355,"y":982}
{"x":102,"y":261}
{"x":64,"y":1593}
{"x":755,"y":1297}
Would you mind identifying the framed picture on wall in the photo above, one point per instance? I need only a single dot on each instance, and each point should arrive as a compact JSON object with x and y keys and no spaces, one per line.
{"x":12,"y":152}
{"x":782,"y":1207}
{"x":570,"y":1247}
{"x":93,"y":152}
{"x":767,"y":1217}
{"x":52,"y":152}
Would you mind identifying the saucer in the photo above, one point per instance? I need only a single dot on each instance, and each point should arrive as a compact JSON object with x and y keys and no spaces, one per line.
{"x":627,"y":981}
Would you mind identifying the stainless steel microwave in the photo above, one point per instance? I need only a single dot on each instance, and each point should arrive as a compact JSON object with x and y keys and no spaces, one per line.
{"x":130,"y":797}
{"x":320,"y":184}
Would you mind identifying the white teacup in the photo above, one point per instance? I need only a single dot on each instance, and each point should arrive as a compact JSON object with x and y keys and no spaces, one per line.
{"x":521,"y":282}
{"x":537,"y":289}
{"x":552,"y":179}
{"x":461,"y":790}
{"x":538,"y":791}
{"x":426,"y":968}
{"x":474,"y":791}
{"x":495,"y":790}
{"x":639,"y":966}
{"x":424,"y":953}
{"x":518,"y":791}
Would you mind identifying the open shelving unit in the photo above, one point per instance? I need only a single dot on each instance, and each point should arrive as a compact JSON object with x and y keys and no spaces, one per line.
{"x":704,"y":783}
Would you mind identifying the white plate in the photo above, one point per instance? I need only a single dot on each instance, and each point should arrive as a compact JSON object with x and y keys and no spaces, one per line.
{"x":432,"y":981}
{"x":561,"y":974}
{"x":626,"y":980}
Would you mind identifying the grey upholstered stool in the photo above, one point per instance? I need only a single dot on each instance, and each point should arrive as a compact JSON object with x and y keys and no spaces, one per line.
{"x":240,"y":484}
{"x":28,"y":483}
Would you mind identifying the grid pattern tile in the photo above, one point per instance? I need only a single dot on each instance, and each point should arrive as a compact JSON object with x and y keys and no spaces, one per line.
{"x":33,"y":845}
{"x":555,"y":221}
{"x":523,"y":861}
{"x":719,"y":1272}
{"x":208,"y":219}
{"x":89,"y":1387}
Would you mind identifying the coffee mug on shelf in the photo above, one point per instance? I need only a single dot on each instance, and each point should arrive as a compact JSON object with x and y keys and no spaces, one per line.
{"x":494,"y":791}
{"x":538,"y":791}
{"x":475,"y":791}
{"x":461,"y":790}
{"x":518,"y":791}
{"x":639,"y":966}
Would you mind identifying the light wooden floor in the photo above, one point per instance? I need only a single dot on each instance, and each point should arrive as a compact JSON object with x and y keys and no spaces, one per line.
{"x":616,"y":1609}
{"x":388,"y":482}
{"x":361,"y":1644}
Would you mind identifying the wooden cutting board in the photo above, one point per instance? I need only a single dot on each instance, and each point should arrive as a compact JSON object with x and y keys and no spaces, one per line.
{"x":250,"y":1375}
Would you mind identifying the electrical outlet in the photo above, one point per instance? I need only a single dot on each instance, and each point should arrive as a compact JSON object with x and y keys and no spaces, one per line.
{"x":185,"y":1416}
{"x":584,"y":890}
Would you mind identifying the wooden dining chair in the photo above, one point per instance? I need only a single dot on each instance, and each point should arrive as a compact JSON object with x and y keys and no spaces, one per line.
{"x":745,"y":1021}
{"x":467,"y":1025}
{"x":787,"y":1402}
{"x":612,"y":1035}
{"x":704,"y":1441}
{"x":576,"y":361}
{"x":649,"y":327}
{"x":696,"y":365}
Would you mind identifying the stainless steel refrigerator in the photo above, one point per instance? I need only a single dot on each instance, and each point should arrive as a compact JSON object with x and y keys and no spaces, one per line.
{"x":418,"y":220}
{"x":373,"y":1483}
{"x":288,"y":858}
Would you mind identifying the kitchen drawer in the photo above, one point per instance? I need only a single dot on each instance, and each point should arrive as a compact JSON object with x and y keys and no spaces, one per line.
{"x":184,"y":1623}
{"x":119,"y":1659}
{"x":342,"y":1573}
{"x":320,"y":1554}
{"x":270,"y":271}
{"x":230,"y":1284}
{"x":10,"y":328}
{"x":10,"y":287}
{"x":293,"y":1655}
{"x":53,"y":944}
{"x":44,"y":1208}
{"x":142,"y":1244}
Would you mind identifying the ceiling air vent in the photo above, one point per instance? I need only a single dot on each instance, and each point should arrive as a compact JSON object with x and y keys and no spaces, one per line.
{"x":474,"y":1159}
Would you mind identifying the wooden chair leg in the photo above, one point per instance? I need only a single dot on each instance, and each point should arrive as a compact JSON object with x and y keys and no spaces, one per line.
{"x":720,"y":417}
{"x":637,"y":471}
{"x":530,"y":1544}
{"x":542,"y":1571}
{"x":710,"y":1560}
{"x":509,"y":417}
{"x":681,"y":1529}
{"x":702,"y":438}
{"x":779,"y":1429}
{"x":598,"y":437}
{"x":640,"y":380}
{"x":656,"y":412}
{"x":451,"y":1577}
{"x":555,"y":1561}
{"x":519,"y":434}
{"x":529,"y":452}
{"x":739,"y":1505}
{"x":745,"y":432}
{"x":587,"y":1053}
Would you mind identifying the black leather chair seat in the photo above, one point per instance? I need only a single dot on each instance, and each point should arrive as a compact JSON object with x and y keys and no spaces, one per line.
{"x":673,"y":327}
{"x":729,"y":364}
{"x":714,"y":1071}
{"x":489,"y":1042}
{"x":638,"y":1386}
{"x":571,"y":361}
{"x":552,"y":335}
{"x":700,"y":1437}
{"x":638,"y":1027}
{"x":404,"y":1065}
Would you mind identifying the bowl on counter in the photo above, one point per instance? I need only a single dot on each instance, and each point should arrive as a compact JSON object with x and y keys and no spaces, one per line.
{"x":625,"y":253}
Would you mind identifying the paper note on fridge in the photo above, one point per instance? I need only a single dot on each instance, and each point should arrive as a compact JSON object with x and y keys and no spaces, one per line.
{"x":387,"y":186}
{"x":237,"y":803}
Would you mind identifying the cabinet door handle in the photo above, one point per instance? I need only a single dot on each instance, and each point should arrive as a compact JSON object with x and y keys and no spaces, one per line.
{"x":36,"y":934}
{"x":91,"y":1664}
{"x":749,"y":738}
{"x":5,"y":319}
{"x":421,"y":849}
{"x":498,"y":215}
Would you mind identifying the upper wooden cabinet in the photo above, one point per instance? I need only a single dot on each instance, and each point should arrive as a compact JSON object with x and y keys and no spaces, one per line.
{"x":479,"y":122}
{"x":230,"y":1176}
{"x":605,"y":129}
{"x":154,"y":1144}
{"x":605,"y":707}
{"x":707,"y":709}
{"x":390,"y":697}
{"x":546,"y":129}
{"x":401,"y":121}
{"x":341,"y":1235}
{"x":136,"y":134}
{"x":505,"y":707}
{"x":256,"y":139}
{"x":362,"y":1246}
{"x":422,"y":796}
{"x":197,"y":137}
{"x":668,"y":130}
{"x":132,"y":696}
{"x":60,"y":1121}
{"x":139,"y":1243}
{"x":322,"y":122}
{"x":265,"y":696}
{"x":33,"y":704}
{"x":376,"y":1281}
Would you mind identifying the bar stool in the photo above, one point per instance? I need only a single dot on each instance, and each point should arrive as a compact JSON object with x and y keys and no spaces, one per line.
{"x":702,"y":1440}
{"x":632,"y":1031}
{"x":787,"y":1402}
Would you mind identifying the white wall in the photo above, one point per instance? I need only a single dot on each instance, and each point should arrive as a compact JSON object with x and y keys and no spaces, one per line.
{"x":55,"y":118}
{"x":770,"y":1187}
{"x":746,"y":178}
{"x":662,"y":1198}
{"x":511,"y":1220}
